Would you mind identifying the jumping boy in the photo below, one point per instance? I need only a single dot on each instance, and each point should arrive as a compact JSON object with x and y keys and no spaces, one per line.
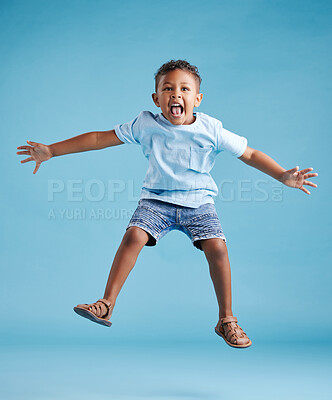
{"x":178,"y":190}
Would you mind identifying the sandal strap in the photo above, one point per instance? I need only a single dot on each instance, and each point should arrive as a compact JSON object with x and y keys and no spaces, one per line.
{"x":106,"y":302}
{"x":231,"y":318}
{"x":96,"y":309}
{"x":109,"y":307}
{"x":233,"y":332}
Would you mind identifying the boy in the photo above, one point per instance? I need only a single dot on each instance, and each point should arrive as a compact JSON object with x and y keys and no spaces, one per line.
{"x":178,"y":189}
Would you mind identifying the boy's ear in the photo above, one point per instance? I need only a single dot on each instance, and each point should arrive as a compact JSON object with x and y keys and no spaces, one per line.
{"x":198,"y":100}
{"x":155,"y":99}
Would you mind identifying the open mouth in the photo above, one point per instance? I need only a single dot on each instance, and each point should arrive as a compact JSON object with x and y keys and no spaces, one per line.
{"x":176,"y":110}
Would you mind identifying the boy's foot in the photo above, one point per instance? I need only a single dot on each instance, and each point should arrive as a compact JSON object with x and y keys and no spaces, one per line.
{"x":230,"y":331}
{"x":99,"y":312}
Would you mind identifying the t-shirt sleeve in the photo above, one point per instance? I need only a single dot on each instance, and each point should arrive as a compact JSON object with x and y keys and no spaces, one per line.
{"x":231,"y":142}
{"x":129,"y":132}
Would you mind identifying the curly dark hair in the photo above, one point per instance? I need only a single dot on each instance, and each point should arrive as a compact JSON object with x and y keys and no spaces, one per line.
{"x":177,"y":64}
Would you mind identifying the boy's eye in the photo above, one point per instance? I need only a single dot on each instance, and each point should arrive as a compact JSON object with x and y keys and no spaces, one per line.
{"x":167,"y":89}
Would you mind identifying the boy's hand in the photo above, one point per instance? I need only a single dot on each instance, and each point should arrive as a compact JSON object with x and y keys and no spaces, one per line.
{"x":39,"y":152}
{"x":297,"y":179}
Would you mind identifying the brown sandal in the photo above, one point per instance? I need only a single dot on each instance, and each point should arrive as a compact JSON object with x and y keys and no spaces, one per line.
{"x":230,"y":331}
{"x":94,"y":311}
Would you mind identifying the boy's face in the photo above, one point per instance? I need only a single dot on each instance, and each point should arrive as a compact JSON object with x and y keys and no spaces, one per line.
{"x":181,"y":88}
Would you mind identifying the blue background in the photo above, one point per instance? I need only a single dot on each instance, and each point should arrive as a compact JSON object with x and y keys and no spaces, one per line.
{"x":70,"y":67}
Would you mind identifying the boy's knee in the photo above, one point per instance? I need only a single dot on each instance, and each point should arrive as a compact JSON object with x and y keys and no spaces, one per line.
{"x":215,"y":247}
{"x":135,"y":236}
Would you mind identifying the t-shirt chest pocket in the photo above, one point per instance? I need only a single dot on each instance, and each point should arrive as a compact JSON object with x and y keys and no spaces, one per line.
{"x":201,"y":159}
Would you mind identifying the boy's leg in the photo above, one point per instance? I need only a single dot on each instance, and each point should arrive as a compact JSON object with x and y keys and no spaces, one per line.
{"x":132,"y":243}
{"x":215,"y":251}
{"x":125,"y":258}
{"x":217,"y":256}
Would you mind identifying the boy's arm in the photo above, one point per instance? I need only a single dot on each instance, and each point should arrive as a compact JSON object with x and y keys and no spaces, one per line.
{"x":87,"y":141}
{"x":266,"y":164}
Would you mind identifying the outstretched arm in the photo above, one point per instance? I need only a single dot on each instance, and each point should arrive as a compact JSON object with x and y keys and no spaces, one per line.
{"x":292,"y":177}
{"x":87,"y":141}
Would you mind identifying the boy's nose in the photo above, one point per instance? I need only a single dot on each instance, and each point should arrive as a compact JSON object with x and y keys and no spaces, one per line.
{"x":176,"y":95}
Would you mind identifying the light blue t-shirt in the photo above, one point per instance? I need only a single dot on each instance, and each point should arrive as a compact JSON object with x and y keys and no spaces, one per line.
{"x":180,"y":156}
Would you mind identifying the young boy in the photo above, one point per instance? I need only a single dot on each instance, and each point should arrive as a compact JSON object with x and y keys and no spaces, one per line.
{"x":178,"y":190}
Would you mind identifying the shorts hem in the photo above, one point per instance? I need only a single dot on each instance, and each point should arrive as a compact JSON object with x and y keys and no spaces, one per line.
{"x":211,"y":236}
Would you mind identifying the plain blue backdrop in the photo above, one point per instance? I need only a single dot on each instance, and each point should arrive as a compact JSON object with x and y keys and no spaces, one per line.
{"x":70,"y":67}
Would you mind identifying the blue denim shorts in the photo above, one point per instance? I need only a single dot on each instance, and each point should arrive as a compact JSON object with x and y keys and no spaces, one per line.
{"x":158,"y":218}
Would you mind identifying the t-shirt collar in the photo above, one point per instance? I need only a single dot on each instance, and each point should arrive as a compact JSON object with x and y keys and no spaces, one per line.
{"x":166,"y":121}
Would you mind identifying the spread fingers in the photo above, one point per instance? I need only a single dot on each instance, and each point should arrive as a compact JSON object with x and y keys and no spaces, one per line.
{"x":304,"y":171}
{"x":310,"y":175}
{"x":309,"y":183}
{"x":305,"y":190}
{"x":27,"y":159}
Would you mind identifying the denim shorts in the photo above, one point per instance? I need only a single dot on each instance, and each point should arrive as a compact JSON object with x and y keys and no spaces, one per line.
{"x":159,"y":217}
